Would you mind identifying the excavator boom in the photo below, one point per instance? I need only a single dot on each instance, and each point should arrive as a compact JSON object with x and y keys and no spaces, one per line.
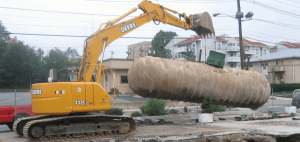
{"x":200,"y":23}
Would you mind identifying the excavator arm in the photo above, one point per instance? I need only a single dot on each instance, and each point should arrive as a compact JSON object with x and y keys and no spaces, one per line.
{"x":98,"y":41}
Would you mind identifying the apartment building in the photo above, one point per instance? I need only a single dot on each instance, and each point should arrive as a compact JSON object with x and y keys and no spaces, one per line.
{"x":223,"y":44}
{"x":279,"y":67}
{"x":138,"y":50}
{"x":284,"y":45}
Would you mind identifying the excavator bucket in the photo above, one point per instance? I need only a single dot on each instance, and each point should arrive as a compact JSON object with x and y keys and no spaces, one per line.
{"x":202,"y":24}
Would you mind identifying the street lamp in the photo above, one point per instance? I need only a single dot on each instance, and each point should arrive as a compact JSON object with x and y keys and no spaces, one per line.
{"x":239,"y":15}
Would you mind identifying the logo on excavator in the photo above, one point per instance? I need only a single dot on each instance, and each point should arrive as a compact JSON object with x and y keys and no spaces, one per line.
{"x":128,"y":27}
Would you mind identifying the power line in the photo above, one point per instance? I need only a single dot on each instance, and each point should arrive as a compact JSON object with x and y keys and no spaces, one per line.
{"x":280,"y":24}
{"x":286,"y":3}
{"x":275,"y":9}
{"x":120,"y":37}
{"x":269,"y":35}
{"x":57,"y":11}
{"x":175,"y":1}
{"x":87,"y":28}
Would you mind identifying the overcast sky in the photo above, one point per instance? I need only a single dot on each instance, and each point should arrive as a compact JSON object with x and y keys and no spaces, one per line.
{"x":34,"y":21}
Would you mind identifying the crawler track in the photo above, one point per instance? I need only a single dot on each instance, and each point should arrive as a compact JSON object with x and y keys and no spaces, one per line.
{"x":58,"y":128}
{"x":21,"y":122}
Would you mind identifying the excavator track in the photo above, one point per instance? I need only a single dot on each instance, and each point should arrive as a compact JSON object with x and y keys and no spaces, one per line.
{"x":78,"y":127}
{"x":21,"y":122}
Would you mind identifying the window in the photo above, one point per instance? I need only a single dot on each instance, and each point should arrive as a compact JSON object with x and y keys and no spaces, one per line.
{"x":266,"y":76}
{"x":250,"y":66}
{"x":280,"y":76}
{"x":231,"y":65}
{"x":265,"y":50}
{"x":124,"y":79}
{"x":231,"y":44}
{"x":256,"y":51}
{"x":263,"y":64}
{"x":231,"y":54}
{"x":219,"y":46}
{"x":276,"y":62}
{"x":175,"y":56}
{"x":193,"y":45}
{"x":282,"y":63}
{"x":134,"y":47}
{"x":264,"y":68}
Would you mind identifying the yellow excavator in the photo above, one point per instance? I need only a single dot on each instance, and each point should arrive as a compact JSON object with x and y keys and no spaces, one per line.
{"x":65,"y":107}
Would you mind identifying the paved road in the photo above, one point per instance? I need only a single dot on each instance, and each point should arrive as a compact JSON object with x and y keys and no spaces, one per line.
{"x":8,"y":99}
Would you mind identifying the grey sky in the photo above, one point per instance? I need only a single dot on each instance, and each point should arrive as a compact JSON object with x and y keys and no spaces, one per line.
{"x":37,"y":22}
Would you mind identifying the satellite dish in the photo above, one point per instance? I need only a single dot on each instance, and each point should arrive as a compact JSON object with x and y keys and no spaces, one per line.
{"x":49,"y":79}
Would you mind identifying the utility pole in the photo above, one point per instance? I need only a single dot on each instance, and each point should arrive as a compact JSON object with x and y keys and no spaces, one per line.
{"x":240,"y":15}
{"x":161,"y":47}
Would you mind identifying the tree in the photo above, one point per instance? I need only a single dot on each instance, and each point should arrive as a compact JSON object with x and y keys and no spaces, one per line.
{"x":207,"y":106}
{"x":56,"y":59}
{"x":164,"y":38}
{"x":189,"y":55}
{"x":17,"y":64}
{"x":3,"y":33}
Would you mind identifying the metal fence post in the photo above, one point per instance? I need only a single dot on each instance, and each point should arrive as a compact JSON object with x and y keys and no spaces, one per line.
{"x":15,"y":102}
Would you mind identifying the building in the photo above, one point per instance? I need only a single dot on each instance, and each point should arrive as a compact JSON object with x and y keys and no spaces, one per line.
{"x":120,"y":69}
{"x":284,"y":45}
{"x":223,"y":44}
{"x":279,"y":67}
{"x":139,"y":50}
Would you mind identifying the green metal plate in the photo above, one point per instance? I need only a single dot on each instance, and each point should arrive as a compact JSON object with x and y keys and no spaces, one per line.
{"x":216,"y":59}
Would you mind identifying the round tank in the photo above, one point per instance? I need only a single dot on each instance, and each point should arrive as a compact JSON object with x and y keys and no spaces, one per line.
{"x":170,"y":79}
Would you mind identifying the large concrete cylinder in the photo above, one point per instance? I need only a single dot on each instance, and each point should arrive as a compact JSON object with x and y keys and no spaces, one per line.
{"x":170,"y":79}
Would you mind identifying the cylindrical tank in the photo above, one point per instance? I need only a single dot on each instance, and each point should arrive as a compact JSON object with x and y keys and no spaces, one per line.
{"x":170,"y":79}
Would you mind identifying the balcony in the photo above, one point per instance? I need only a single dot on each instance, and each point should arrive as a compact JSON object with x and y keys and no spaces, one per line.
{"x":279,"y":69}
{"x":233,"y":48}
{"x":233,"y":59}
{"x":180,"y":49}
{"x":252,"y":52}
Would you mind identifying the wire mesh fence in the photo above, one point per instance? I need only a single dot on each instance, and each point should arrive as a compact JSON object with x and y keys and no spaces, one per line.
{"x":14,"y":105}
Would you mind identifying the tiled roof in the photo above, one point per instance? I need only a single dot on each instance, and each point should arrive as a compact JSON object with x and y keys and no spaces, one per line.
{"x":290,"y":45}
{"x":189,"y":40}
{"x":273,"y":48}
{"x":248,"y":42}
{"x":220,"y":39}
{"x":283,"y":54}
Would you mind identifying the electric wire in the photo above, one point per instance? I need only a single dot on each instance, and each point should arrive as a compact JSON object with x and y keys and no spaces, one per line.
{"x":124,"y":37}
{"x":275,"y":9}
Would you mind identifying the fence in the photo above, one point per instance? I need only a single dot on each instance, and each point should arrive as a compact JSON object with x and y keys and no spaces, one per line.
{"x":14,"y":105}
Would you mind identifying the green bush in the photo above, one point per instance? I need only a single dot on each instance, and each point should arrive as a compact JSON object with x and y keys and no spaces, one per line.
{"x":285,"y":87}
{"x":154,"y":107}
{"x":136,"y":114}
{"x":174,"y":111}
{"x":219,"y":108}
{"x":114,"y":111}
{"x":207,"y":106}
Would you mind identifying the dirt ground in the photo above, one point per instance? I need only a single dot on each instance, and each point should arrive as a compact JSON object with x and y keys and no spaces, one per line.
{"x":185,"y":130}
